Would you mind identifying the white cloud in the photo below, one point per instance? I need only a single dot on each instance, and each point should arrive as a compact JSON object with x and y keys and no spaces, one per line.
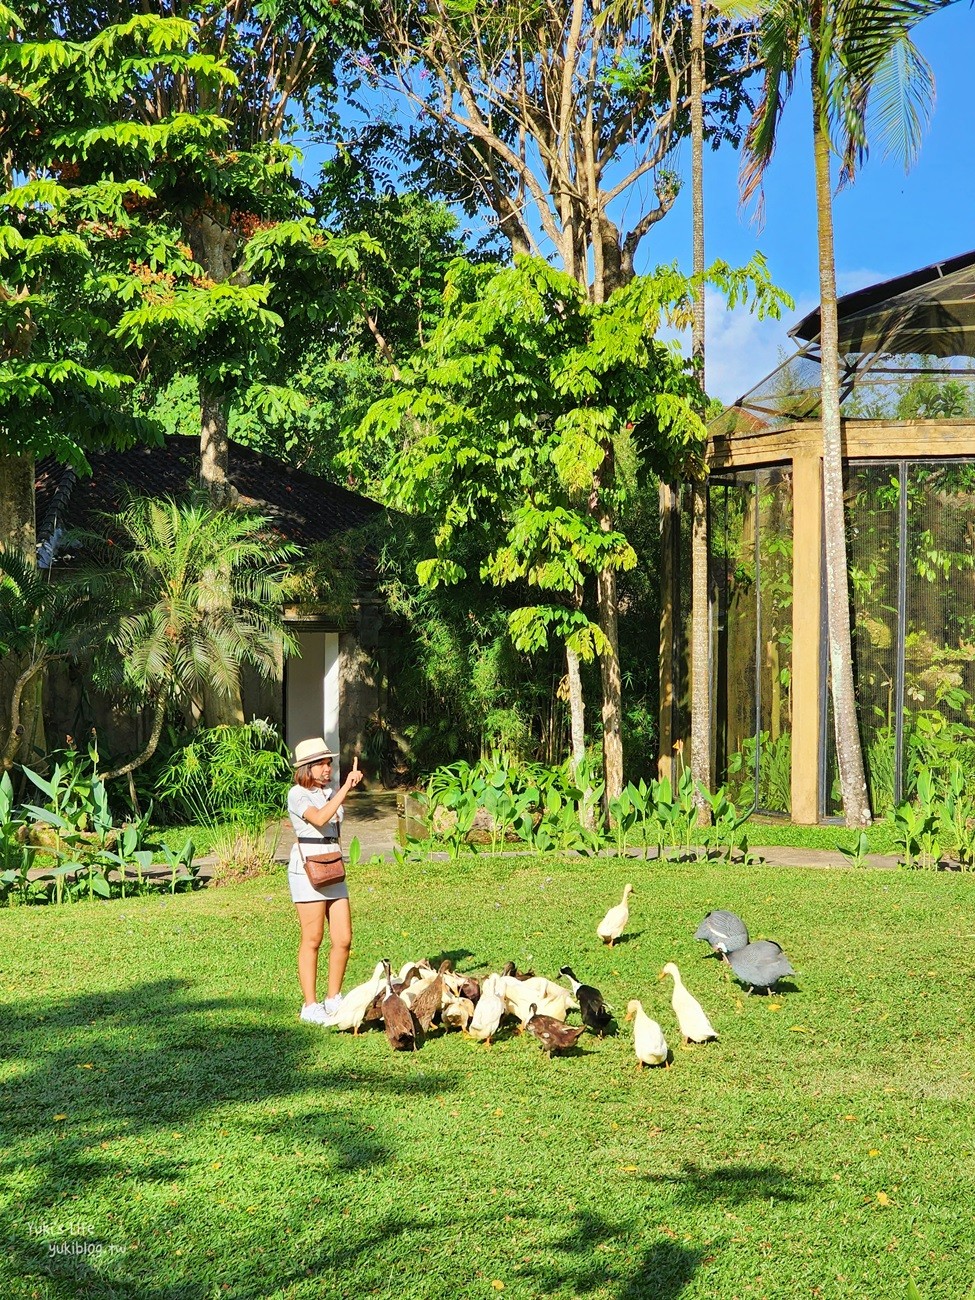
{"x":850,"y":281}
{"x":741,"y":349}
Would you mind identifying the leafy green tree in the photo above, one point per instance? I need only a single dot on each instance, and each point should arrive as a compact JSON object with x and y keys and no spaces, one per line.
{"x":182,"y":595}
{"x":214,"y":195}
{"x":550,"y":114}
{"x":66,"y":258}
{"x":860,"y":53}
{"x":506,"y":420}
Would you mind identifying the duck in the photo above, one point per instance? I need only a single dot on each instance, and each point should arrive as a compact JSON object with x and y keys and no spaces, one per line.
{"x":548,"y":998}
{"x":649,"y":1043}
{"x":461,"y":986}
{"x":594,"y":1012}
{"x":695,"y":1027}
{"x":410,"y":992}
{"x":456,"y":1013}
{"x":397,"y":1018}
{"x":760,"y":965}
{"x":511,"y":969}
{"x":614,"y":922}
{"x":488,"y":1011}
{"x":355,"y":1004}
{"x":724,"y":931}
{"x":426,"y":1004}
{"x":552,"y":1034}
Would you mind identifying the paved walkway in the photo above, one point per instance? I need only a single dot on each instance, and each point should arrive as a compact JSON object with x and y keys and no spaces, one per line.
{"x":370,"y":817}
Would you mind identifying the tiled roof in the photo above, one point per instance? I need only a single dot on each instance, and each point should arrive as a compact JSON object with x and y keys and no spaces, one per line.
{"x":302,"y":507}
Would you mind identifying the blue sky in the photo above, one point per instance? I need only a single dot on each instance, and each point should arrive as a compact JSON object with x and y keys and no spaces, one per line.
{"x":887,"y":223}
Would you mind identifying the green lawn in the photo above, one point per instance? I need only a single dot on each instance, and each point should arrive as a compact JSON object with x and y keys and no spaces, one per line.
{"x":161,"y":1101}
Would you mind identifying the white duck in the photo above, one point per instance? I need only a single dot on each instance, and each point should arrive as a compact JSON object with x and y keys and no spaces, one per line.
{"x":614,"y":922}
{"x":547,"y":998}
{"x":357,"y":1001}
{"x":488,"y":1011}
{"x":648,"y":1038}
{"x":694,"y":1024}
{"x":416,"y":986}
{"x":456,"y":1013}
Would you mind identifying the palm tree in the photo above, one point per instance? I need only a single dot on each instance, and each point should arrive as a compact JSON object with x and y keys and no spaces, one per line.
{"x":186,"y":593}
{"x":700,"y":604}
{"x":856,"y":47}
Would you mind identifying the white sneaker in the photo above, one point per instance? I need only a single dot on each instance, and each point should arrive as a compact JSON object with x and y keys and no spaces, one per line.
{"x":332,"y":1006}
{"x":315,"y":1014}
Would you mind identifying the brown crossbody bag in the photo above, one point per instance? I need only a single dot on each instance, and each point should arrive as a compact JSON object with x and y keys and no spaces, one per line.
{"x":325,"y":868}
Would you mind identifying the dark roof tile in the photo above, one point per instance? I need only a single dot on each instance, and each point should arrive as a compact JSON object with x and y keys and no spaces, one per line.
{"x":303,"y":507}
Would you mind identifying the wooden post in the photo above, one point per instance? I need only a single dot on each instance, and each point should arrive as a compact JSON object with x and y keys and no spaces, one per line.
{"x":807,"y":549}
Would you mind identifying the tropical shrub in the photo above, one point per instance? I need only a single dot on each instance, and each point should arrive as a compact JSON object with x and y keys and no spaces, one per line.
{"x":226,"y":774}
{"x":68,"y":846}
{"x":546,"y":809}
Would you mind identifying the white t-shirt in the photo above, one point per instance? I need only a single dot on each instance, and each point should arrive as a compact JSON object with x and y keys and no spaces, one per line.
{"x":299,"y":799}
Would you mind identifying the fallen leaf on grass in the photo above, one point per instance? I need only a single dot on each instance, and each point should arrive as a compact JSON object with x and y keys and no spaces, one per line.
{"x":800,"y":1029}
{"x":883,"y":1199}
{"x":498,"y":1284}
{"x":775,"y":1006}
{"x":60,"y":1117}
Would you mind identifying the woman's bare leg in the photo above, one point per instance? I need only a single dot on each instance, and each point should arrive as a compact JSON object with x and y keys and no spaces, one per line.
{"x":340,"y":942}
{"x":311,"y":917}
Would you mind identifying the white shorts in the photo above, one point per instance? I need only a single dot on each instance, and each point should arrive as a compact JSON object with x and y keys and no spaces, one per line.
{"x":303,"y":891}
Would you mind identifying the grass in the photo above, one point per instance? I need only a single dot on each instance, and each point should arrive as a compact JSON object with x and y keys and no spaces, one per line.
{"x":160,"y":1100}
{"x":765,"y":833}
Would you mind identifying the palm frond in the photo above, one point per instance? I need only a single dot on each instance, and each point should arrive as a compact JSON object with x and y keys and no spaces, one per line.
{"x":780,"y":42}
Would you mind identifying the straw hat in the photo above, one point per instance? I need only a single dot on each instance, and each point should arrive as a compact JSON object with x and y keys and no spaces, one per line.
{"x":311,"y":751}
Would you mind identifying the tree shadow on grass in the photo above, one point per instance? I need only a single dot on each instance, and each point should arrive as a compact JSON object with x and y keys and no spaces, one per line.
{"x":568,"y":1252}
{"x":100,"y":1087}
{"x":590,"y":1253}
{"x":736,"y":1184}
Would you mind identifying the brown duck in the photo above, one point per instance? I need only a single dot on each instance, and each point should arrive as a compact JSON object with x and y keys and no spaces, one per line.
{"x":552,"y":1035}
{"x":397,"y":1019}
{"x":426,"y":1005}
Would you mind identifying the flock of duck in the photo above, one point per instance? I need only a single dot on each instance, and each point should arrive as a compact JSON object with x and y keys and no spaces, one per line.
{"x":412,"y":1002}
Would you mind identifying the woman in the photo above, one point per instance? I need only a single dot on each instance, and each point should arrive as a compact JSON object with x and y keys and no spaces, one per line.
{"x":316,"y":814}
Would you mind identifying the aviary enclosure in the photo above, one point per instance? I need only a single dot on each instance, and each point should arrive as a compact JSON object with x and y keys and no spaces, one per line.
{"x":909,"y":451}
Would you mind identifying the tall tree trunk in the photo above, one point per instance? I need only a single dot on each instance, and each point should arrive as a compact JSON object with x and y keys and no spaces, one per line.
{"x":853,"y":783}
{"x":700,"y":603}
{"x":609,"y":660}
{"x":214,"y":447}
{"x":577,"y":703}
{"x":18,"y":528}
{"x":215,"y":248}
{"x":18,"y":532}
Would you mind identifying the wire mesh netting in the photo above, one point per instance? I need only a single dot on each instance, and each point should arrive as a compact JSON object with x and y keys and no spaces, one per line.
{"x":911,"y":554}
{"x":873,"y":386}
